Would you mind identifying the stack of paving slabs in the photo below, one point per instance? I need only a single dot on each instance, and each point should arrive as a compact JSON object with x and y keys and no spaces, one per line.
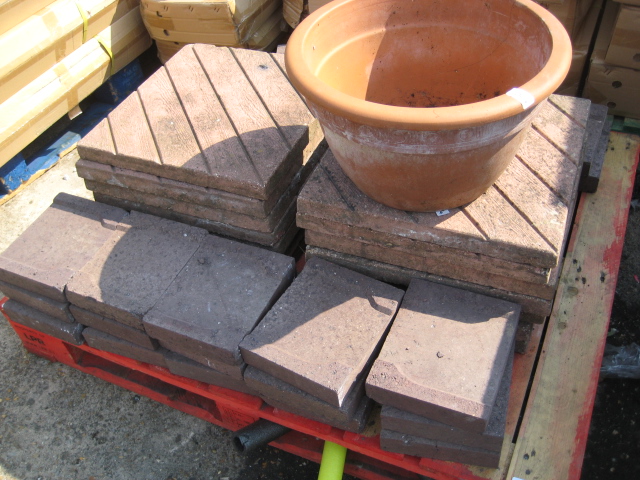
{"x":154,"y":290}
{"x":255,"y":24}
{"x":311,"y":353}
{"x":507,"y":244}
{"x":444,"y":373}
{"x":217,"y":138}
{"x":36,"y":268}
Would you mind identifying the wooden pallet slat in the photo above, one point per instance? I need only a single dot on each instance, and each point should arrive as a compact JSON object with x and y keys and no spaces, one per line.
{"x":556,"y":422}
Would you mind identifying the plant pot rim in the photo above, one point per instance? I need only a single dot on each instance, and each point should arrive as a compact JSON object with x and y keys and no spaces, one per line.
{"x":469,"y":115}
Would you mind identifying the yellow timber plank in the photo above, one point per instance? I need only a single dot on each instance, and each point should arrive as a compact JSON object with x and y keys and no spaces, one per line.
{"x":38,"y":105}
{"x":554,"y":431}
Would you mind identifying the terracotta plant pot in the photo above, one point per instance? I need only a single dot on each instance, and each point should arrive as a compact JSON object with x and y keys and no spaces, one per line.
{"x":412,"y":94}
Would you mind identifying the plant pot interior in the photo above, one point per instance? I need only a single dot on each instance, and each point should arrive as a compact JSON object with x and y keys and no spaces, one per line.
{"x":429,"y":53}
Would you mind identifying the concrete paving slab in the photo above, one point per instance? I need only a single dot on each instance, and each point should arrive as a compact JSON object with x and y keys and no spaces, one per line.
{"x":59,"y":310}
{"x":191,"y":124}
{"x":445,"y":355}
{"x":266,"y":224}
{"x":109,"y":343}
{"x":278,"y":240}
{"x":352,"y":415}
{"x":58,"y":244}
{"x":185,"y":367}
{"x":536,"y":309}
{"x":131,"y":271}
{"x":323,"y":332}
{"x":401,"y":421}
{"x":421,"y":447}
{"x":32,"y":318}
{"x":219,"y":296}
{"x":114,"y":328}
{"x":187,"y":192}
{"x":202,"y":357}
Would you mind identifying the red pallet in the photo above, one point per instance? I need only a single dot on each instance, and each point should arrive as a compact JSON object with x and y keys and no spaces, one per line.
{"x":233,"y":410}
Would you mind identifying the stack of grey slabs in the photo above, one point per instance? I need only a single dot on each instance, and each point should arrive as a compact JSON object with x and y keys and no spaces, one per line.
{"x":443,"y":375}
{"x":216,"y":138}
{"x":311,"y":353}
{"x":219,"y":296}
{"x":126,"y":277}
{"x":36,"y":268}
{"x":508,"y":243}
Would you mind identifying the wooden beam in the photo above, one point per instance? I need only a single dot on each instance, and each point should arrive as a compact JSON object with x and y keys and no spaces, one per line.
{"x":37,"y":106}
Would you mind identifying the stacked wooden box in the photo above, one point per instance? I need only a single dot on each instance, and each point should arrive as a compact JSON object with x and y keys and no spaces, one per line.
{"x":217,"y":138}
{"x":255,"y":24}
{"x":56,"y":56}
{"x":507,"y":244}
{"x":614,"y":73}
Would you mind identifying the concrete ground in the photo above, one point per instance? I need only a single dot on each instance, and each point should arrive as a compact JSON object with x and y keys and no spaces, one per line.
{"x":57,"y":423}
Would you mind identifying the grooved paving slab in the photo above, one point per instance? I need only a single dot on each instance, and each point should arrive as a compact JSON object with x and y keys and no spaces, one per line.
{"x":226,"y":202}
{"x":58,"y":244}
{"x":261,"y":225}
{"x":214,"y":117}
{"x":428,"y":264}
{"x":277,"y":241}
{"x":32,"y":318}
{"x":445,"y":355}
{"x":184,"y":367}
{"x":218,"y":298}
{"x":351,"y":416}
{"x":131,"y":271}
{"x":400,"y":421}
{"x":524,"y":218}
{"x":321,"y":335}
{"x":114,"y":328}
{"x":534,"y":308}
{"x":104,"y":341}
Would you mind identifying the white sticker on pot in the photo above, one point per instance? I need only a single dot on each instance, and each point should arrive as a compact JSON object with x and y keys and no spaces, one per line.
{"x":442,"y":212}
{"x":522,"y":96}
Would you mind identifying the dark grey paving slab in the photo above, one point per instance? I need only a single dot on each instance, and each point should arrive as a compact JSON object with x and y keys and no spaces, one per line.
{"x":58,"y":244}
{"x":491,"y":439}
{"x":323,"y":332}
{"x":59,"y":310}
{"x":278,"y":240}
{"x":445,"y":355}
{"x":109,"y":343}
{"x":32,"y":318}
{"x":132,"y":270}
{"x":421,"y":447}
{"x":202,"y":357}
{"x":352,"y":415}
{"x":218,"y":298}
{"x":114,"y":328}
{"x":595,"y":146}
{"x":185,"y":367}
